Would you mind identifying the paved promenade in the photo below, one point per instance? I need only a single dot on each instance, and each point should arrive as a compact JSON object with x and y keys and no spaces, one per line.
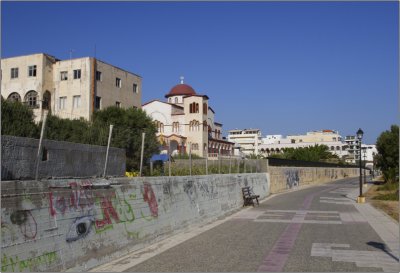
{"x":318,"y":228}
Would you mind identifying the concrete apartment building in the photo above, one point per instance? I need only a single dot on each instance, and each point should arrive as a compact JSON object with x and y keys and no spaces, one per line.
{"x":187,"y":118}
{"x":276,"y":143}
{"x":72,"y":88}
{"x":248,"y":139}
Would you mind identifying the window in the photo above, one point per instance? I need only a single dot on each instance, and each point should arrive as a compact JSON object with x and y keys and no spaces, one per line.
{"x":77,"y":74}
{"x":31,"y":99}
{"x":14,"y":97}
{"x":118,"y":104}
{"x":175,"y":127}
{"x":118,"y":82}
{"x":194,"y":107}
{"x":64,"y":75}
{"x":76,"y":102}
{"x":160,"y":126}
{"x":62,"y":103}
{"x":194,"y":125}
{"x":98,"y":76}
{"x":293,"y":141}
{"x":97,"y":103}
{"x":14,"y":73}
{"x":205,"y":107}
{"x":176,"y":100}
{"x":135,"y":89}
{"x":32,"y":71}
{"x":169,"y":100}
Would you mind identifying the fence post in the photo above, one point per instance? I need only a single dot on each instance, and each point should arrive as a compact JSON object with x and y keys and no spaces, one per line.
{"x":141,"y":154}
{"x":207,"y":162}
{"x":40,"y":146}
{"x":238,"y":165}
{"x":169,"y":158}
{"x":244,"y":166}
{"x":219,"y":160}
{"x":108,"y":148}
{"x":190,"y":158}
{"x":230,"y":162}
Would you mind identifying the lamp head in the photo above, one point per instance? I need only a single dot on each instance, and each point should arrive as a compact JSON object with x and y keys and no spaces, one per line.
{"x":360,"y":134}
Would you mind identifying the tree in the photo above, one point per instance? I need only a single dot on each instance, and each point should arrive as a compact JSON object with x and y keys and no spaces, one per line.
{"x":313,"y":153}
{"x":17,"y":120}
{"x":387,"y":158}
{"x":129,"y":124}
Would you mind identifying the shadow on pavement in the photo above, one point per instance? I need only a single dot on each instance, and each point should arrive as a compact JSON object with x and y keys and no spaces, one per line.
{"x":383,"y":248}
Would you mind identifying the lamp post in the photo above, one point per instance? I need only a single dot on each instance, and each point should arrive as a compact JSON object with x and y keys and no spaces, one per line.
{"x":361,"y":198}
{"x":365,"y":164}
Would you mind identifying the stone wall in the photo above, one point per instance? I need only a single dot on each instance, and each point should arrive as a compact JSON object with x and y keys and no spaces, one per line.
{"x":62,"y":159}
{"x":54,"y":225}
{"x":283,"y":178}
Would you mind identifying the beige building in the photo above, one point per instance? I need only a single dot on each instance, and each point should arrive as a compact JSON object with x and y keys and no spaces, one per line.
{"x":72,"y":88}
{"x":247,"y":139}
{"x":276,"y":143}
{"x":187,"y":120}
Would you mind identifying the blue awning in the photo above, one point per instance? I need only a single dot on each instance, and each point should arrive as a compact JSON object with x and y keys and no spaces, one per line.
{"x":161,"y":157}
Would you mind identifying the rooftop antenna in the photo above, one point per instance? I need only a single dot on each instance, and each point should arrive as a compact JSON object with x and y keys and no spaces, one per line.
{"x":182,"y":78}
{"x":70,"y":53}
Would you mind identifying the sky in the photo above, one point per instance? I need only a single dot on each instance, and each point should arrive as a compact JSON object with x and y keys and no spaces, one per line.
{"x":282,"y":67}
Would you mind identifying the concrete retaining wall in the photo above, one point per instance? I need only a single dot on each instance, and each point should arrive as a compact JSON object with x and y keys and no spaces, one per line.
{"x":54,"y":225}
{"x":64,"y":159}
{"x":283,"y":178}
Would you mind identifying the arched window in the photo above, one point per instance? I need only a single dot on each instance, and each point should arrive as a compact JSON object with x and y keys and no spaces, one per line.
{"x":205,"y":108}
{"x":46,"y":103}
{"x":337,"y":148}
{"x":169,"y":100}
{"x":175,"y":127}
{"x":160,"y":126}
{"x":194,"y":107}
{"x":332,"y":148}
{"x":176,"y":100}
{"x":15,"y":97}
{"x":205,"y":126}
{"x":31,"y":99}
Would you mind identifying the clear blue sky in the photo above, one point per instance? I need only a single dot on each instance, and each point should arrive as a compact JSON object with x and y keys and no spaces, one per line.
{"x":283,"y":67}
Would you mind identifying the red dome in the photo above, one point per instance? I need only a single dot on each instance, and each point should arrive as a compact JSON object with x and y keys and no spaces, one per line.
{"x":181,"y":90}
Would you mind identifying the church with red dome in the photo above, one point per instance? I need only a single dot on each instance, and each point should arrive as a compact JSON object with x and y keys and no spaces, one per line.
{"x":186,"y":121}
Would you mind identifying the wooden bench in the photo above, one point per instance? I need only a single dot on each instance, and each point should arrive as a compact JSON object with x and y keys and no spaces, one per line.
{"x":249,"y":196}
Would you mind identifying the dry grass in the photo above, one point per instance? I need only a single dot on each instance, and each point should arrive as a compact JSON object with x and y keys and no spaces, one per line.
{"x":391,"y":208}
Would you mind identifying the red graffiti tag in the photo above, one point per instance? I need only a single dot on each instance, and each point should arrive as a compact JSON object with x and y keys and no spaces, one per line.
{"x":108,"y":212}
{"x":150,"y":198}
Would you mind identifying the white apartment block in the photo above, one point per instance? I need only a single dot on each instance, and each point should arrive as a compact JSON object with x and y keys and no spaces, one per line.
{"x":248,"y":139}
{"x":368,"y":153}
{"x":186,"y":121}
{"x":72,"y":88}
{"x":330,"y":138}
{"x":353,"y":149}
{"x":270,"y":139}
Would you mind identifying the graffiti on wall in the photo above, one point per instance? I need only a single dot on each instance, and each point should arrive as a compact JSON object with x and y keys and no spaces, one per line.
{"x":79,"y":228}
{"x":190,"y":189}
{"x":150,"y":198}
{"x":292,"y":178}
{"x":11,"y":264}
{"x":26,"y":222}
{"x":208,"y":190}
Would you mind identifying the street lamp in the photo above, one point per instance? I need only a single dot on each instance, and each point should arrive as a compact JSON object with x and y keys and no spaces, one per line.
{"x":361,"y":198}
